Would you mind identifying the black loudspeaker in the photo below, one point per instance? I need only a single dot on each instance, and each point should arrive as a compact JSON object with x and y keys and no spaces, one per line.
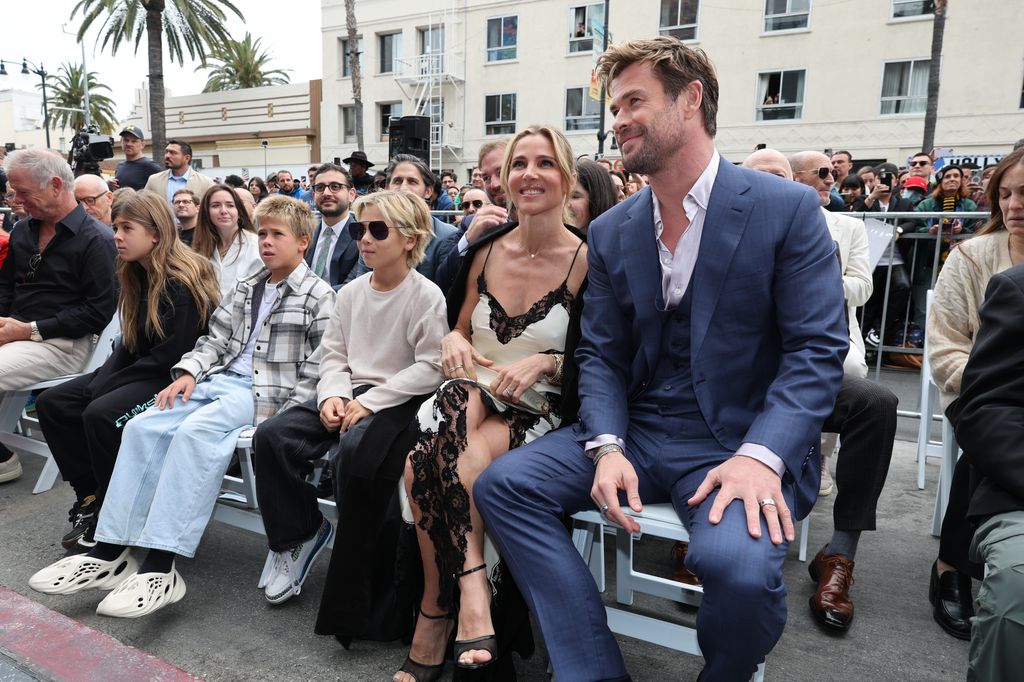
{"x":410,"y":135}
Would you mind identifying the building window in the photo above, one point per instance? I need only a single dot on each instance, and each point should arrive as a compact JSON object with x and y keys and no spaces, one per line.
{"x":581,"y":111}
{"x":344,"y":57}
{"x":432,"y":50}
{"x":348,"y":124}
{"x":386,"y":112}
{"x":679,"y":19}
{"x":502,"y":38}
{"x":500,"y":114}
{"x":912,"y":8}
{"x":905,"y":87}
{"x":780,"y":95}
{"x":583,"y":20}
{"x":784,"y":15}
{"x":390,"y":48}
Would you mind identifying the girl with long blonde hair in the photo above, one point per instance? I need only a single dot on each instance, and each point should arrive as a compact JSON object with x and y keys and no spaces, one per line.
{"x":167,"y":293}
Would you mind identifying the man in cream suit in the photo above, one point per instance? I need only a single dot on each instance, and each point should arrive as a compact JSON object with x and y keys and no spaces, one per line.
{"x":179,"y":173}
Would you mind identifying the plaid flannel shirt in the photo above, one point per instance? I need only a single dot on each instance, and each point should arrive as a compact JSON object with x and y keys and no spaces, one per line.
{"x":285,"y":359}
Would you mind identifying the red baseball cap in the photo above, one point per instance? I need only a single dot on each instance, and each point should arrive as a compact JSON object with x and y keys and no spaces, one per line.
{"x":916,"y":182}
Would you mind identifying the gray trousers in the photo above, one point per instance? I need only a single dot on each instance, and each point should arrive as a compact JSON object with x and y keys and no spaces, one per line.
{"x":997,"y":635}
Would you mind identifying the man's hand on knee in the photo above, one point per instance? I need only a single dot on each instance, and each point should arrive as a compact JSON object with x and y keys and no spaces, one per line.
{"x":760,"y":489}
{"x":614,"y":473}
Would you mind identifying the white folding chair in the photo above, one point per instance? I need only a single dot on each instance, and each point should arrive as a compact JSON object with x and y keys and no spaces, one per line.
{"x":12,"y":405}
{"x":656,"y":520}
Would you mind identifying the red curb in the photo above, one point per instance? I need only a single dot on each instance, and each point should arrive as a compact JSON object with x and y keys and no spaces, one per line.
{"x":60,"y":648}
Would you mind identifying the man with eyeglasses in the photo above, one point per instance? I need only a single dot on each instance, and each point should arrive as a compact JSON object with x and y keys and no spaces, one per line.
{"x":94,"y":196}
{"x":333,"y":255}
{"x":185,"y":205}
{"x":58,"y":286}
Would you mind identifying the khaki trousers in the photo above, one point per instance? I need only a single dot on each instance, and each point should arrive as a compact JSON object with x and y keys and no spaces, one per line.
{"x":23,"y":363}
{"x":997,"y":636}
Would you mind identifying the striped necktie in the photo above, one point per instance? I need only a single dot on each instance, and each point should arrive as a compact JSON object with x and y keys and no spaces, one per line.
{"x":323,"y":257}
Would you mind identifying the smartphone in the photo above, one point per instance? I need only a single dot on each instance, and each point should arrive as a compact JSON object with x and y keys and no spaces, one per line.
{"x":887,"y":179}
{"x":976,"y":177}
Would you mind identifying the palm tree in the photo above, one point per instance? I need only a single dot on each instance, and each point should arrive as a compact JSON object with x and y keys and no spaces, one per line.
{"x":931,"y":112}
{"x":66,"y":94}
{"x":357,"y":76}
{"x":192,"y":26}
{"x":238,"y":64}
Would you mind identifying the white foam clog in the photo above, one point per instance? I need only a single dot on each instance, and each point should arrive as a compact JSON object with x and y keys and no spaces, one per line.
{"x":82,"y":572}
{"x":143,"y":593}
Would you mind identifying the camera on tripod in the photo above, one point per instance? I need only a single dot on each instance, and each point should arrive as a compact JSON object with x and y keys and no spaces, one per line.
{"x":88,"y":148}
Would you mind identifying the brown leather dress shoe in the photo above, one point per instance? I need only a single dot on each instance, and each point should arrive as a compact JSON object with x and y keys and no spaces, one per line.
{"x":681,"y":574}
{"x":831,"y":604}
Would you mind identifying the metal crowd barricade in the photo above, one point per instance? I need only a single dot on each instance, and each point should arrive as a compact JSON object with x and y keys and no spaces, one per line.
{"x":898,"y":219}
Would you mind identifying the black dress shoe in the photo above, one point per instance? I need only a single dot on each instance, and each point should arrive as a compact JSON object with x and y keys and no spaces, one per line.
{"x":950,"y":595}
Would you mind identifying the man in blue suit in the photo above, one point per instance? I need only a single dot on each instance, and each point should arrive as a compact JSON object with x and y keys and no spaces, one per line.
{"x":333,"y":255}
{"x":713,"y":339}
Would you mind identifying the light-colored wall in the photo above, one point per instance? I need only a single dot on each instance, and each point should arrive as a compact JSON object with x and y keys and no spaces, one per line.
{"x":843,"y":52}
{"x":21,"y":122}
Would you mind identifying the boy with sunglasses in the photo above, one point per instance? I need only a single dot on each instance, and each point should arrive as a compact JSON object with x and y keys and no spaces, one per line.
{"x":380,"y":358}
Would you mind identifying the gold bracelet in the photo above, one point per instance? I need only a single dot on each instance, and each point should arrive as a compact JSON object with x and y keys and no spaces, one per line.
{"x":556,"y":376}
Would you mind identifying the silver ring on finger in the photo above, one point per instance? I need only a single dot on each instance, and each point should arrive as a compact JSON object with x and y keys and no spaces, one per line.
{"x":508,"y":392}
{"x":604,"y":508}
{"x":456,"y":367}
{"x":766,"y":502}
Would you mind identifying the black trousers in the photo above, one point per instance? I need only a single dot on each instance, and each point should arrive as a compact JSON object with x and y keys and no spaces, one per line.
{"x":957,"y":530}
{"x":864,"y":416}
{"x":899,"y":296}
{"x":84,"y":431}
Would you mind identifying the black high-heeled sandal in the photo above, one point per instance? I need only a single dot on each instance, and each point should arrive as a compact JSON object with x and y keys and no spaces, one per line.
{"x":488,"y":643}
{"x":421,"y":672}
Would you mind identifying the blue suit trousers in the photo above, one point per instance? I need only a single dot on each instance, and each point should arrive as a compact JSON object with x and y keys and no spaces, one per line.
{"x":523,"y":494}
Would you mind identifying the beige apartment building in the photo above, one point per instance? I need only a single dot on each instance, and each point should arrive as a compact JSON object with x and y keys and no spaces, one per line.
{"x":794,"y":74}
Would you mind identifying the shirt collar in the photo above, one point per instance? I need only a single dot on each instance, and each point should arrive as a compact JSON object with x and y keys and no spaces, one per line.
{"x":184,"y":176}
{"x":337,"y":227}
{"x":73,"y":221}
{"x":698,"y":196}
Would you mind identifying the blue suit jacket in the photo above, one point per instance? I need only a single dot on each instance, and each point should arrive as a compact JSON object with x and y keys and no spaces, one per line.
{"x":768,"y":332}
{"x":344,"y":257}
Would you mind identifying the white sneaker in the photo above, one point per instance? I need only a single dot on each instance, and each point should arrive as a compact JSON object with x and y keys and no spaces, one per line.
{"x":10,"y":469}
{"x":826,"y":485}
{"x":290,"y":568}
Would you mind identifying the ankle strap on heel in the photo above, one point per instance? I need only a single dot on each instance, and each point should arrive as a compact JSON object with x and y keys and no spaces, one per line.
{"x":481,"y":567}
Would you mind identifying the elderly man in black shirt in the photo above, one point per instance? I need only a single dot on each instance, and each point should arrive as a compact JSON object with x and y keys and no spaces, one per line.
{"x":57,"y":286}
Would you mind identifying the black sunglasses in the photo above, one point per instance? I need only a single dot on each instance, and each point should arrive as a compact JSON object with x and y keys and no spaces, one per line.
{"x":822,"y":172}
{"x":33,"y":263}
{"x":333,"y":186}
{"x":378,"y":229}
{"x":919,"y":163}
{"x":475,"y":203}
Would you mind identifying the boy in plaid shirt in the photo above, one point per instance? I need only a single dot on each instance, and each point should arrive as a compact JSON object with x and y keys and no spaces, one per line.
{"x":258,"y":359}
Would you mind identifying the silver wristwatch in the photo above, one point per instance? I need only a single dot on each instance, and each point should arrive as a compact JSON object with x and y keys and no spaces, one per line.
{"x":33,"y":333}
{"x":604,"y":450}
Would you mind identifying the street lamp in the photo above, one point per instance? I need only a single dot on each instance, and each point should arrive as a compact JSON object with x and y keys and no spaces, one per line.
{"x":41,"y":72}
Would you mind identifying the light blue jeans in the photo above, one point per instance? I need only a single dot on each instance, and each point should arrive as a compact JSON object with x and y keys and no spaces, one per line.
{"x":170,"y":467}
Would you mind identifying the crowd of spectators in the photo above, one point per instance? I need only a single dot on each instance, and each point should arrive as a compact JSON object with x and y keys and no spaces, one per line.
{"x":341,"y":318}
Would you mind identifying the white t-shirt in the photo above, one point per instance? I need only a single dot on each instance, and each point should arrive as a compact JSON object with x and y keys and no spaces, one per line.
{"x":243,"y":363}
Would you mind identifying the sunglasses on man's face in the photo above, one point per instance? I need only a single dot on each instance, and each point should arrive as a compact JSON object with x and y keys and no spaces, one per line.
{"x":822,"y":172}
{"x":475,"y":203}
{"x":378,"y":229}
{"x":919,"y":163}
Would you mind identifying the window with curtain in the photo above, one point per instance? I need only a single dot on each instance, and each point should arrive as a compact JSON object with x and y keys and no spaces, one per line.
{"x":785,"y":15}
{"x":581,"y":26}
{"x":905,"y":87}
{"x":344,"y":56}
{"x":348,"y":124}
{"x":502,"y":38}
{"x":912,"y":8}
{"x":389,"y":48}
{"x":780,"y":95}
{"x":581,"y":111}
{"x":385,"y":112}
{"x":432,"y":50}
{"x":679,"y":19}
{"x":500,"y":114}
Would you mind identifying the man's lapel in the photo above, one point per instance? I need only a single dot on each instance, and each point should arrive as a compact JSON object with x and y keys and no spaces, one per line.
{"x":639,"y":254}
{"x":312,"y":244}
{"x":344,"y":241}
{"x":729,"y":209}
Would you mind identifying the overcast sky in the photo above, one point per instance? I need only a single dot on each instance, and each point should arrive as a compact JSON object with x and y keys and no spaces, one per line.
{"x":290,"y":32}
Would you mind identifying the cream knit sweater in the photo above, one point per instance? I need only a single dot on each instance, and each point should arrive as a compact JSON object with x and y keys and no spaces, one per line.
{"x":959,"y":291}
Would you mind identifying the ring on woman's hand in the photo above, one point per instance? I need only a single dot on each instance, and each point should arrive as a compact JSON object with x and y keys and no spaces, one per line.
{"x":604,"y":508}
{"x":456,"y":367}
{"x":508,"y":391}
{"x":766,"y":502}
